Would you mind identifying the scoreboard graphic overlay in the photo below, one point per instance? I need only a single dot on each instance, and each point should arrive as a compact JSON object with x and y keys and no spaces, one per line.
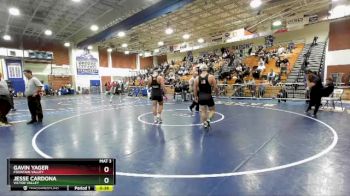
{"x":61,"y":174}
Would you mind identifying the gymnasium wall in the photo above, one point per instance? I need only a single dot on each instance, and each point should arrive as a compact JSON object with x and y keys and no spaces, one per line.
{"x":146,"y":62}
{"x":61,"y":54}
{"x":120,"y":60}
{"x":103,"y":57}
{"x":161,"y":59}
{"x":337,"y":56}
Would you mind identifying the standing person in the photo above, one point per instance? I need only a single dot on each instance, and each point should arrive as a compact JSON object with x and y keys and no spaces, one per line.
{"x":314,"y":83}
{"x":5,"y":103}
{"x":191,"y":83}
{"x":112,"y":90}
{"x":156,"y":82}
{"x":12,"y":94}
{"x":203,"y":86}
{"x":32,"y":92}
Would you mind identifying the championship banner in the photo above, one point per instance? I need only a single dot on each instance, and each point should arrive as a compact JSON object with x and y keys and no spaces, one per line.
{"x":235,"y":35}
{"x":313,"y":19}
{"x":296,"y":22}
{"x":218,"y":38}
{"x":15,"y":74}
{"x":14,"y":69}
{"x":87,"y":64}
{"x":238,"y":35}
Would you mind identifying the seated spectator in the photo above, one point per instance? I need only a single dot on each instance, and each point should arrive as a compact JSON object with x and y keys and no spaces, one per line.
{"x":271,"y":75}
{"x":278,"y":62}
{"x":329,"y":88}
{"x":282,"y":94}
{"x":261,"y":66}
{"x":177,"y":88}
{"x":276,"y":80}
{"x":284,"y":66}
{"x":252,"y":87}
{"x":274,"y":53}
{"x":239,"y":68}
{"x":281,"y":50}
{"x":245,"y":71}
{"x":291,"y":46}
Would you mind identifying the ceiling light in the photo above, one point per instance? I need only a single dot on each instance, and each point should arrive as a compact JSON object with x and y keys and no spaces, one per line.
{"x":255,"y":3}
{"x":121,"y":34}
{"x":124,"y":45}
{"x":109,"y":50}
{"x":169,"y":31}
{"x":6,"y":37}
{"x":67,"y":44}
{"x":277,"y":23}
{"x":186,"y":36}
{"x":156,"y":50}
{"x":76,"y":0}
{"x":48,"y":32}
{"x":127,"y":52}
{"x":14,"y":11}
{"x":94,"y":27}
{"x":90,"y":47}
{"x":200,"y":40}
{"x":160,"y":43}
{"x":140,"y":54}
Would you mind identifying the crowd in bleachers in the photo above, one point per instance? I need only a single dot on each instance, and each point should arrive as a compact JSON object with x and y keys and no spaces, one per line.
{"x":229,"y":65}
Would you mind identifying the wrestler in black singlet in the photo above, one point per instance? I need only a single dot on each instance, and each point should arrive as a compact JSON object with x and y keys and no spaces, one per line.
{"x":205,"y":90}
{"x":156,"y":93}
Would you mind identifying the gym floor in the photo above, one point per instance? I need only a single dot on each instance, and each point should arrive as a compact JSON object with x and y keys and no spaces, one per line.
{"x":254,"y":147}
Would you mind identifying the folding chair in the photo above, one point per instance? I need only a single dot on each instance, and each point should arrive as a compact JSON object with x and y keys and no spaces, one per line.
{"x":336,"y":96}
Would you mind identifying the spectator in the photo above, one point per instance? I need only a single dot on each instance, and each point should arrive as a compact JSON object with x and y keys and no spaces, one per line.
{"x":281,"y":50}
{"x":271,"y":76}
{"x":12,"y":94}
{"x":33,"y":90}
{"x":261,"y":66}
{"x":5,"y":103}
{"x":252,"y":87}
{"x":261,"y":89}
{"x":314,"y":42}
{"x":329,"y":88}
{"x":282,"y":94}
{"x":278,"y":62}
{"x":291,"y":46}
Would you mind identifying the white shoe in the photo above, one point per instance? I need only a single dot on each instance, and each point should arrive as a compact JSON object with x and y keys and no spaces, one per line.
{"x":205,"y":124}
{"x":190,"y":109}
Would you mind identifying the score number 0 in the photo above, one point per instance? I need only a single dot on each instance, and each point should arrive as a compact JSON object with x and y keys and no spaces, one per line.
{"x":106,"y":170}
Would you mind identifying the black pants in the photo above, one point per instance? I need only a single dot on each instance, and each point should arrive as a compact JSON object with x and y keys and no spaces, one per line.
{"x":5,"y":107}
{"x":35,"y":108}
{"x":315,"y":100}
{"x":195,"y":104}
{"x":11,"y":102}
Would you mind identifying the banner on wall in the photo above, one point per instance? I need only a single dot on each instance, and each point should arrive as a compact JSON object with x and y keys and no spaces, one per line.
{"x":238,"y":35}
{"x":14,"y":69}
{"x":296,"y":22}
{"x":14,"y":74}
{"x":87,"y":64}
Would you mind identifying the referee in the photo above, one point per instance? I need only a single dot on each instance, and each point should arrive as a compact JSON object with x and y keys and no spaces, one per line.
{"x":32,"y":92}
